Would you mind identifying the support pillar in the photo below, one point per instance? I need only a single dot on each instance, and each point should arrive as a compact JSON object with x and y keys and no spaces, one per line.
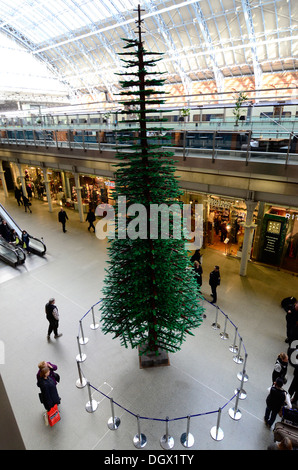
{"x":249,"y":227}
{"x":79,"y":197}
{"x":2,"y":177}
{"x":48,"y":191}
{"x":23,"y":181}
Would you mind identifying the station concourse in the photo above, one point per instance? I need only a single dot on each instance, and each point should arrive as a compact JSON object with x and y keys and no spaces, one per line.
{"x":200,"y":378}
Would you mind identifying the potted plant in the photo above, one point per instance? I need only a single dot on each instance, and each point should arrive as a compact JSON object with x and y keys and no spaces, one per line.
{"x":237,"y":110}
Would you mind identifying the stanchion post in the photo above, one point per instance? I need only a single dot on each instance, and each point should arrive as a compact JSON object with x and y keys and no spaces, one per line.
{"x":238,"y":359}
{"x":216,"y":432}
{"x":215,"y":325}
{"x":233,"y":348}
{"x":242,"y":374}
{"x":167,"y":441}
{"x":224,"y":335}
{"x":187,"y":439}
{"x":114,"y":421}
{"x":93,"y":325}
{"x":139,"y":439}
{"x":91,"y":405}
{"x":83,"y":340}
{"x":80,"y":357}
{"x":234,"y":412}
{"x":242,"y":393}
{"x":81,"y":382}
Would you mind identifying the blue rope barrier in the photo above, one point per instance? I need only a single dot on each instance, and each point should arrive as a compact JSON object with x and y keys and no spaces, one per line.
{"x":168,"y":419}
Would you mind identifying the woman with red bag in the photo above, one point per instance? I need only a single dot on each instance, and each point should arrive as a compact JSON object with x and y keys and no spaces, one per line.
{"x":48,"y":389}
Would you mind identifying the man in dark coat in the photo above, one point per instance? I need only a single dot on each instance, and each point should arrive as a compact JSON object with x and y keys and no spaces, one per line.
{"x":90,"y":218}
{"x":62,"y":217}
{"x":274,"y":402}
{"x":214,"y":281}
{"x":53,"y":318}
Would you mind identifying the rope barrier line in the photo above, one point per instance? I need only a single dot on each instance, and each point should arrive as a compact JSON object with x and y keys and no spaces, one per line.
{"x":216,"y":430}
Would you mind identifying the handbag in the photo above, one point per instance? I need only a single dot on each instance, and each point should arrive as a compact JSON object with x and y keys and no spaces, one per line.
{"x":53,"y":415}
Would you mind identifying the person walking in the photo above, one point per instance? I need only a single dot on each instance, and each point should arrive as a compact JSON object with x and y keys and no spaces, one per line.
{"x":52,"y":315}
{"x":91,"y":218}
{"x":62,"y":217}
{"x":214,"y":281}
{"x":280,"y":367}
{"x":274,"y":402}
{"x":18,"y":196}
{"x":48,"y":388}
{"x":27,"y":204}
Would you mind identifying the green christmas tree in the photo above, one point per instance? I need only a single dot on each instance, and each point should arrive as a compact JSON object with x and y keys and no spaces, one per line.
{"x":150,"y":296}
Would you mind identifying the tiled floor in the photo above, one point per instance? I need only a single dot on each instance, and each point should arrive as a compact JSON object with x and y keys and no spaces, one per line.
{"x":201,"y":378}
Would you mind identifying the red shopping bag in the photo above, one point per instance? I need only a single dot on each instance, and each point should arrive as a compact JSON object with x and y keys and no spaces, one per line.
{"x":53,"y":415}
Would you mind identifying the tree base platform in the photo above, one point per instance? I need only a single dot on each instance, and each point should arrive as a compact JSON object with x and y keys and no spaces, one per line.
{"x":151,"y":359}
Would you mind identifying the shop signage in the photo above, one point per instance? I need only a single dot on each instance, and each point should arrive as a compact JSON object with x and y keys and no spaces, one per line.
{"x":272,"y":240}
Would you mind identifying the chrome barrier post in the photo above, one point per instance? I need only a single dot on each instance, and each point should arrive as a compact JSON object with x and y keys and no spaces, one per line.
{"x":238,"y":359}
{"x":224,"y":335}
{"x":233,"y":348}
{"x":166,"y":441}
{"x":242,"y":374}
{"x":187,"y":439}
{"x":234,"y":412}
{"x":81,"y":382}
{"x":80,"y":357}
{"x":139,"y":439}
{"x":114,"y":421}
{"x":83,"y":340}
{"x":216,"y":432}
{"x":91,"y":405}
{"x":215,"y":325}
{"x":241,"y":391}
{"x":93,"y":325}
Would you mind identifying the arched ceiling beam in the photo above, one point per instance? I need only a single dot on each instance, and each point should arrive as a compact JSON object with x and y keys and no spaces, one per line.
{"x":172,"y":50}
{"x":253,"y":46}
{"x":218,"y":75}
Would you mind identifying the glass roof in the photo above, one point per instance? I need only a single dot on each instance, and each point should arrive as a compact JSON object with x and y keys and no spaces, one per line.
{"x":77,"y":42}
{"x":41,"y":20}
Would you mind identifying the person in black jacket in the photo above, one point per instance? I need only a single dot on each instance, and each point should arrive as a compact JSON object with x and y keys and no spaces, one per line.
{"x":48,"y":389}
{"x":53,"y":318}
{"x":274,"y":402}
{"x":214,"y":281}
{"x":90,"y":218}
{"x":62,"y":217}
{"x":198,"y":273}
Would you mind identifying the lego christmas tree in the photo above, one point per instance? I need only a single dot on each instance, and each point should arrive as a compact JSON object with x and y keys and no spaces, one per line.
{"x":150,"y":296}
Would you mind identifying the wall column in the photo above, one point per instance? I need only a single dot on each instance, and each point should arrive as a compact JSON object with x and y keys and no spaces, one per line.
{"x":2,"y":177}
{"x":23,"y":181}
{"x":79,"y":197}
{"x":249,"y":227}
{"x":48,"y":190}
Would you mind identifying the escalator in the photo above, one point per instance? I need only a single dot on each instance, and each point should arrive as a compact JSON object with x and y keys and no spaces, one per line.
{"x":11,"y":254}
{"x":36,"y":246}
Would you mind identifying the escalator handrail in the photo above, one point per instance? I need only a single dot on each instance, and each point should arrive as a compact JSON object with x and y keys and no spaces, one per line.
{"x":15,"y":249}
{"x":9,"y":217}
{"x":20,"y":230}
{"x":40,"y":241}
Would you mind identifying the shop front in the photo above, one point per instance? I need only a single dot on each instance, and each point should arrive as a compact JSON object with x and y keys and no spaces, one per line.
{"x":224,"y":220}
{"x":63,"y":186}
{"x":279,"y":237}
{"x":274,"y":230}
